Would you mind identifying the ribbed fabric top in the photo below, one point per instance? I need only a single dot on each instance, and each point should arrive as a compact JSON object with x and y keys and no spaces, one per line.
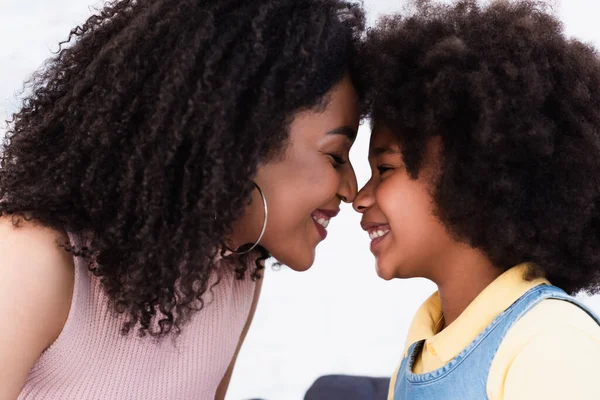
{"x":92,"y":360}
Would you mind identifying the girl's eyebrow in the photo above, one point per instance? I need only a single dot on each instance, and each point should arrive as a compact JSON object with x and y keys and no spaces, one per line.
{"x":380,"y":151}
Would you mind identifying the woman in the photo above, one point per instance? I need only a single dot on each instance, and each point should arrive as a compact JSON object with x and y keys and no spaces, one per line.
{"x":162,"y":157}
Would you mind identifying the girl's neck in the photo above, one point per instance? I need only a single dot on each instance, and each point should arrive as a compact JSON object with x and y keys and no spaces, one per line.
{"x":461,"y":277}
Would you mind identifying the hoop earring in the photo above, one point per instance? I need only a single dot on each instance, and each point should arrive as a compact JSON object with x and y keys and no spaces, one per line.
{"x":262,"y":232}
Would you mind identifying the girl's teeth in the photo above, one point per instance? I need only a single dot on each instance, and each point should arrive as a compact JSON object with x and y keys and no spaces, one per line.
{"x":378,"y":234}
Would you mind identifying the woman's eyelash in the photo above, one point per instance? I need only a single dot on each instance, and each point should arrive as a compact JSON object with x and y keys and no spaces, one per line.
{"x":337,"y":159}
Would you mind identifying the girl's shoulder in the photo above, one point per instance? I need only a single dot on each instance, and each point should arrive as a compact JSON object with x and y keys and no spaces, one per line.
{"x":551,"y":351}
{"x":550,"y":321}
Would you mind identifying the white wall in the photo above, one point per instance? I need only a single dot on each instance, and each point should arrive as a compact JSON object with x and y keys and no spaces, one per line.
{"x":336,"y":318}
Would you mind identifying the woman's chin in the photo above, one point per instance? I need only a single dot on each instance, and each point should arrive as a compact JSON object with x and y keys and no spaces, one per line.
{"x":300,"y":267}
{"x":297,"y":262}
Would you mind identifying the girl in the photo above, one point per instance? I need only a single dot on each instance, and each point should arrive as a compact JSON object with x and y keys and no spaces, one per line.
{"x":161,"y":158}
{"x":485,"y":156}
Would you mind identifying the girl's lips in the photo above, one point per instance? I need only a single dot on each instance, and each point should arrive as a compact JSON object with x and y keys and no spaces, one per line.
{"x":377,"y":232}
{"x":369,"y":226}
{"x":376,"y":241}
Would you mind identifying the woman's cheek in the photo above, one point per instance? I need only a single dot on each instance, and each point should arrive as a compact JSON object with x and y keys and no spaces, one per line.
{"x":323,"y":187}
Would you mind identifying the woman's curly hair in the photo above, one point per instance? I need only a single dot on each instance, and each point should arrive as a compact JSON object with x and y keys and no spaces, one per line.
{"x":517,"y":106}
{"x":144,"y":133}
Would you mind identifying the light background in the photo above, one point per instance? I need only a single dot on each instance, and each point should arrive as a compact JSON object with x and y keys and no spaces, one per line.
{"x":338,"y":317}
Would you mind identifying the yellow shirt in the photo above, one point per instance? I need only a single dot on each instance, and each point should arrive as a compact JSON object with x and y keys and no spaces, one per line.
{"x":552,"y":352}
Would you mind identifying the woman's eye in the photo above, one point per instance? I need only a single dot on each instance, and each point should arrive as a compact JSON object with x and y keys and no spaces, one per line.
{"x":338,"y":160}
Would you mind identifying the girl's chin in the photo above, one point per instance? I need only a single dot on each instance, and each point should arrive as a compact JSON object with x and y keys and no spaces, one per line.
{"x":384,"y":274}
{"x":386,"y":271}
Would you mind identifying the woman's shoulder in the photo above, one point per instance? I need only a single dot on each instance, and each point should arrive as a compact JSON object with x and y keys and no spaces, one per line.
{"x":20,"y":230}
{"x":36,"y":288}
{"x":36,"y":272}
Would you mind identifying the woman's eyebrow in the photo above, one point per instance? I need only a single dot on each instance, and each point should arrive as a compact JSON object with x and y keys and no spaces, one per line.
{"x":344,"y":130}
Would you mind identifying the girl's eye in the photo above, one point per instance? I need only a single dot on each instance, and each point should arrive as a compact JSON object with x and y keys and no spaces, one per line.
{"x":382,"y":169}
{"x":337,"y":159}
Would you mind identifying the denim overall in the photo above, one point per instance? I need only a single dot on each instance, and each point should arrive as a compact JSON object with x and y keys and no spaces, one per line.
{"x":465,"y":376}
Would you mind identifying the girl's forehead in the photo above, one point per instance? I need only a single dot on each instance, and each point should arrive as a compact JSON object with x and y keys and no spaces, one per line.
{"x":382,"y":141}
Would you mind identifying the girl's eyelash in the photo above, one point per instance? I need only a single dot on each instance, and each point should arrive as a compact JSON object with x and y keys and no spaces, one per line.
{"x":381,"y":169}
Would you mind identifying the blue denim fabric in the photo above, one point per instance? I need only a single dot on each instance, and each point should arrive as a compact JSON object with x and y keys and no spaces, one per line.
{"x":465,"y":376}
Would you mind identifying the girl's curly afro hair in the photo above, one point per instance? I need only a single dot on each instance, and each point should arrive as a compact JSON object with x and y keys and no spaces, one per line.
{"x":517,"y":106}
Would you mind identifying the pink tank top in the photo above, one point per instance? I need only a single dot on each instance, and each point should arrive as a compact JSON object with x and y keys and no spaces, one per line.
{"x":92,"y":360}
